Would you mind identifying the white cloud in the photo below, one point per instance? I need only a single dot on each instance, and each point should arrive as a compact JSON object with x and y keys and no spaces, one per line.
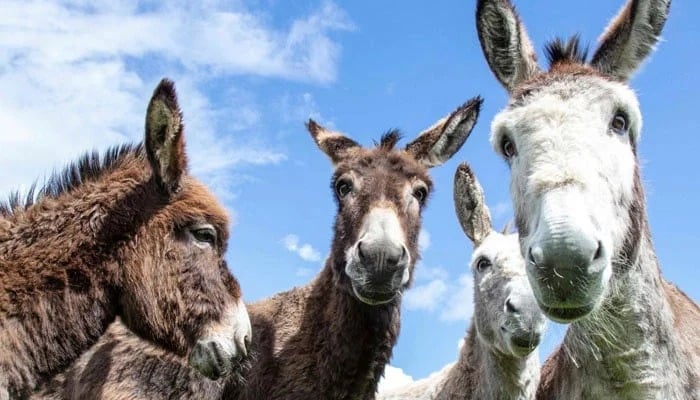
{"x":305,"y":251}
{"x":454,"y":301}
{"x":423,"y":240}
{"x":394,"y":378}
{"x":425,"y":297}
{"x":460,"y":304}
{"x":77,"y":75}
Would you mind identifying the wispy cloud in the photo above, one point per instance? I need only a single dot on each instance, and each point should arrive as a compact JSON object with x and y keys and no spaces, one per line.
{"x":77,"y":75}
{"x":460,"y":304}
{"x":436,"y":292}
{"x":425,"y":297}
{"x":305,"y":251}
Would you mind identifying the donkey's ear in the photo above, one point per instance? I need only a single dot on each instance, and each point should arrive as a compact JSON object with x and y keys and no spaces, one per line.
{"x":507,"y":48}
{"x":630,"y":37}
{"x":470,"y":205}
{"x":441,"y":141}
{"x":334,"y":144}
{"x":165,"y":145}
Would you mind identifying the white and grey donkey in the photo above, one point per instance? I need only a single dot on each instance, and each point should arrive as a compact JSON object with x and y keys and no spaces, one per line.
{"x":569,"y":135}
{"x":498,"y":359}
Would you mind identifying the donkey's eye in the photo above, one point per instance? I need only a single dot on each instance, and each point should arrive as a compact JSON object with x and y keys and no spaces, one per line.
{"x":619,"y":124}
{"x":508,"y":148}
{"x":204,"y":234}
{"x":420,"y":193}
{"x":343,"y":187}
{"x":482,"y":264}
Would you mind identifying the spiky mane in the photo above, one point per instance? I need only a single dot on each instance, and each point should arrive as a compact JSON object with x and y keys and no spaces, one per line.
{"x":389,"y":139}
{"x":88,"y":168}
{"x":566,"y":51}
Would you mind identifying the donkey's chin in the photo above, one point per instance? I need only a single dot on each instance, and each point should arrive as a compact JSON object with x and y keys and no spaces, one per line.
{"x":372,"y":298}
{"x":522,"y":347}
{"x":565,"y":315}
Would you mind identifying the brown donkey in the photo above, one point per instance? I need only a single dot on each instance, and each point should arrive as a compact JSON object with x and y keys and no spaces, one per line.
{"x":132,"y":235}
{"x":331,"y":338}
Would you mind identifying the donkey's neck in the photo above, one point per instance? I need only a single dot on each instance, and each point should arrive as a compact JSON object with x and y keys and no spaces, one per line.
{"x":319,"y":342}
{"x":58,"y":278}
{"x":628,"y":348}
{"x":359,"y":338}
{"x":482,"y":373}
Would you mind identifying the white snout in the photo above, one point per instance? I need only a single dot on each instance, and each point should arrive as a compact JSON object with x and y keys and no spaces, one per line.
{"x":224,"y":344}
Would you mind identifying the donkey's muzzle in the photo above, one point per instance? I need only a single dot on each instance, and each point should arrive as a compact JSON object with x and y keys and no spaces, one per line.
{"x":382,"y":258}
{"x":379,"y":272}
{"x":566,"y":266}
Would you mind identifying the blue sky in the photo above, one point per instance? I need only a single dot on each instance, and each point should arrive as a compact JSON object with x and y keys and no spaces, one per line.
{"x":78,"y":75}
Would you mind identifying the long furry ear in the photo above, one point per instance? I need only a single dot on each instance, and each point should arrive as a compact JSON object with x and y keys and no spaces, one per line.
{"x":470,"y":205}
{"x":165,"y":144}
{"x":441,"y":141}
{"x":630,"y":37}
{"x":334,"y":144}
{"x":504,"y":41}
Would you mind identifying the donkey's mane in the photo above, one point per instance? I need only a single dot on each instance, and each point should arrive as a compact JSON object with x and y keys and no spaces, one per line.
{"x":568,"y":51}
{"x":389,"y":139}
{"x":88,"y":168}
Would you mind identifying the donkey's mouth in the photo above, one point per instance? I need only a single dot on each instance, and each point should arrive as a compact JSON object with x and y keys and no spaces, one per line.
{"x":372,"y":297}
{"x":565,"y":315}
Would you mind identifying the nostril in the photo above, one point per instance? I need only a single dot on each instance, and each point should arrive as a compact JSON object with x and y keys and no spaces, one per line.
{"x":535,"y":255}
{"x":359,"y":251}
{"x":599,"y":251}
{"x":510,"y":307}
{"x":404,"y":253}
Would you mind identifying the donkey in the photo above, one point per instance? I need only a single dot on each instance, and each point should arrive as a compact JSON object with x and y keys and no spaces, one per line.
{"x":570,"y":137}
{"x":331,"y":338}
{"x":497,"y":360}
{"x":127,"y":235}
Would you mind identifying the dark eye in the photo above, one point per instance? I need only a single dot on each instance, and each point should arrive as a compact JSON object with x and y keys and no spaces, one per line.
{"x":343,"y":187}
{"x":619,"y":124}
{"x":482,"y":264}
{"x":508,"y":148}
{"x":420,"y":193}
{"x":204,"y":235}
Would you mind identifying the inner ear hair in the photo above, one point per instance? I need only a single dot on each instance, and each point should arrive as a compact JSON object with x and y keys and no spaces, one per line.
{"x":470,"y":205}
{"x":630,"y":37}
{"x":505,"y":43}
{"x":441,"y":141}
{"x":165,"y":145}
{"x":334,"y":144}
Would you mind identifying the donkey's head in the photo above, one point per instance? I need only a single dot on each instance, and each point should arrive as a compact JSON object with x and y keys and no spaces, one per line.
{"x":175,"y":286}
{"x":380,"y":194}
{"x":570,"y":135}
{"x":506,"y":315}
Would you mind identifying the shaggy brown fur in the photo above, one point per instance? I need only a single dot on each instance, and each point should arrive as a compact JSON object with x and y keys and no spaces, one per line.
{"x":108,"y":237}
{"x":319,"y":341}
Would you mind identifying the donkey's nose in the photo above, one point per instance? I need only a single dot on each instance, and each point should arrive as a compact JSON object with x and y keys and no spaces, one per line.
{"x":382,"y":254}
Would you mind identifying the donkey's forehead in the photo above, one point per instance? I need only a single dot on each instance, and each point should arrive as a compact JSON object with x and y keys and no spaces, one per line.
{"x":398,"y":163}
{"x":567,"y":97}
{"x":195,"y":201}
{"x":570,"y":85}
{"x":504,"y":253}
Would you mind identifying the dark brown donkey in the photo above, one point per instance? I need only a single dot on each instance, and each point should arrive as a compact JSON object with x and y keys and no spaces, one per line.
{"x":129,"y":234}
{"x":331,"y":338}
